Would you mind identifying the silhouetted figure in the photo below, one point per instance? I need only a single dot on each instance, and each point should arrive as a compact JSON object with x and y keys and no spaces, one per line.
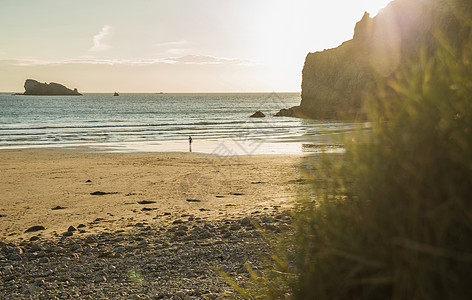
{"x":189,"y":143}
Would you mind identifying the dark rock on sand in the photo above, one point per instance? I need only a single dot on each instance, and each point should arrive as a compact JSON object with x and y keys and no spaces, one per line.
{"x":35,"y":228}
{"x":258,"y":114}
{"x":299,"y":181}
{"x":146,"y":202}
{"x":71,"y":228}
{"x":58,"y":207}
{"x":98,"y":193}
{"x":148,"y":209}
{"x":193,"y":200}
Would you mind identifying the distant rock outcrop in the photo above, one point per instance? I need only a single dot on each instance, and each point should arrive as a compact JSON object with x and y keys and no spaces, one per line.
{"x":289,"y":112}
{"x":336,"y":82}
{"x":258,"y":114}
{"x":33,"y":87}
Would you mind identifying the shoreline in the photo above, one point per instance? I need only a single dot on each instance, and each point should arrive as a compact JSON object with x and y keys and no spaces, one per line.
{"x":220,"y":147}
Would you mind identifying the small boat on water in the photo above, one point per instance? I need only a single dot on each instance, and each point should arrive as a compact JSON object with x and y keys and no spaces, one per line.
{"x":116,"y":94}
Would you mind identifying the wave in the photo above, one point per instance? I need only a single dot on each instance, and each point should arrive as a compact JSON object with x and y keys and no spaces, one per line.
{"x":198,"y":123}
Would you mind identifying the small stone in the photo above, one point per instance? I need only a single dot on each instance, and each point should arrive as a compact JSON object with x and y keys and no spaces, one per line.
{"x":235,"y":226}
{"x":33,"y":289}
{"x":71,"y":229}
{"x":77,"y":248}
{"x":267,"y":219}
{"x":17,"y":250}
{"x":205,"y":234}
{"x":182,"y":227}
{"x":15,"y":257}
{"x":246,"y":222}
{"x":180,"y":233}
{"x":119,"y":249}
{"x":100,"y":279}
{"x":81,"y":226}
{"x":90,"y":239}
{"x":104,"y":254}
{"x":49,"y":272}
{"x":57,"y":249}
{"x":8,"y":269}
{"x":43,"y":260}
{"x":68,"y":233}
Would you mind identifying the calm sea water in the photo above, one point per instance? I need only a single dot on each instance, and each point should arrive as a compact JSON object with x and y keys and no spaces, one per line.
{"x":159,"y":122}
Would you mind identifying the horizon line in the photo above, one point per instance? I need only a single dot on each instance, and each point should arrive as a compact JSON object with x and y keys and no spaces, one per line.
{"x":162,"y":92}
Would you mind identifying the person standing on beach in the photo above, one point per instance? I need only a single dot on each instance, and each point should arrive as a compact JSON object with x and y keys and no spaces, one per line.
{"x":189,"y":143}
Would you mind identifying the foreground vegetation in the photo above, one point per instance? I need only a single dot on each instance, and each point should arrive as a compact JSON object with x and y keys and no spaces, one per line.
{"x":394,"y":218}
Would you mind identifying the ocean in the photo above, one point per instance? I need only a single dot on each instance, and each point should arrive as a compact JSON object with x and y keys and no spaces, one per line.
{"x":218,"y":123}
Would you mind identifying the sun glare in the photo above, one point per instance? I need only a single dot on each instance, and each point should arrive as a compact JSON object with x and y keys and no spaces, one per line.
{"x":374,"y":6}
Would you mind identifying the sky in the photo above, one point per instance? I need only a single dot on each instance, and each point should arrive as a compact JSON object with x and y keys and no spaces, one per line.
{"x":170,"y":45}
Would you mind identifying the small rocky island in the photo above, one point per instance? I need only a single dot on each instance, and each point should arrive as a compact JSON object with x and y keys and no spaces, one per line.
{"x":33,"y":87}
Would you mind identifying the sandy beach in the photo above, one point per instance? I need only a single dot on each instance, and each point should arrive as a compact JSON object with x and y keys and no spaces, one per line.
{"x":137,"y":225}
{"x":54,"y":188}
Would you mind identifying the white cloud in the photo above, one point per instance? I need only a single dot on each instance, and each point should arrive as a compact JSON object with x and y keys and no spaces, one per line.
{"x":99,"y":40}
{"x":173,"y":43}
{"x":187,"y":60}
{"x":209,"y":60}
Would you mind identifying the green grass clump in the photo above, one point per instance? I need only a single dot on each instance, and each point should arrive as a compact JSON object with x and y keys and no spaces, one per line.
{"x":395,"y":220}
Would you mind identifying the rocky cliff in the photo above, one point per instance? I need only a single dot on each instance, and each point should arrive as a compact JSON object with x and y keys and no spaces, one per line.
{"x":33,"y":87}
{"x":337,"y":82}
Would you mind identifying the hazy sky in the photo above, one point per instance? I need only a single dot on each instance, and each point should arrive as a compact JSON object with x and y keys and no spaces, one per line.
{"x":170,"y":45}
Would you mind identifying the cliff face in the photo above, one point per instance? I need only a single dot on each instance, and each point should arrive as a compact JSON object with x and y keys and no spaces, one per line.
{"x":33,"y":87}
{"x":336,"y":82}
